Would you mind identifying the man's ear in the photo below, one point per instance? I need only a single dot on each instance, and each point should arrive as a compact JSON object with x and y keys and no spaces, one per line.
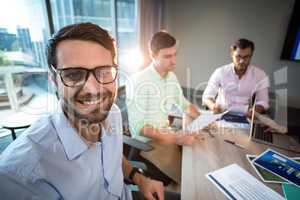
{"x":152,"y":55}
{"x":53,"y":84}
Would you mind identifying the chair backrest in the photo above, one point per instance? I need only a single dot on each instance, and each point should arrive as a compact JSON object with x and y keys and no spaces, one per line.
{"x":121,"y":102}
{"x":193,"y":95}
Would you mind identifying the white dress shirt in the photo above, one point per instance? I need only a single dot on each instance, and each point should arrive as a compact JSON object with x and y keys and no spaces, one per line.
{"x":234,"y":93}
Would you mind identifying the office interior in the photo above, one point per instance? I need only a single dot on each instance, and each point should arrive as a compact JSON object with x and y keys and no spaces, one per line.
{"x":205,"y":30}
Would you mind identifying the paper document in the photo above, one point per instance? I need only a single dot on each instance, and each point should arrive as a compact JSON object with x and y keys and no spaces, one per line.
{"x":237,"y":184}
{"x":175,"y":111}
{"x":203,"y":121}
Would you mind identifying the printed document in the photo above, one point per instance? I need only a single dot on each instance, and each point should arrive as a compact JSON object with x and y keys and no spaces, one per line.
{"x":237,"y":184}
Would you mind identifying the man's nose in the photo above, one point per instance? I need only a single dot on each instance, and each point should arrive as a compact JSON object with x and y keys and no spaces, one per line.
{"x":92,"y":85}
{"x":241,"y":61}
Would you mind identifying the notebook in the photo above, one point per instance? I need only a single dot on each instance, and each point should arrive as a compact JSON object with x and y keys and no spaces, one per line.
{"x":290,"y":191}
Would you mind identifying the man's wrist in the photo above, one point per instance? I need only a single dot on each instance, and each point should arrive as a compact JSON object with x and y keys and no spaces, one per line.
{"x":138,"y":178}
{"x":171,"y":137}
{"x":134,"y":174}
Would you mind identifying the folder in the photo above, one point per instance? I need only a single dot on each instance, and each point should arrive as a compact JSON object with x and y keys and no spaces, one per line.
{"x":291,"y":191}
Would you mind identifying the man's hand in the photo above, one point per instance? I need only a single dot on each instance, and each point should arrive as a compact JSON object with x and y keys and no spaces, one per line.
{"x":258,"y":108}
{"x":188,"y":139}
{"x":151,"y":189}
{"x":217,"y":109}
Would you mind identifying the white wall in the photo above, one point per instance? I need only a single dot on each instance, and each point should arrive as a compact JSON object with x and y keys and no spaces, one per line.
{"x":206,"y":28}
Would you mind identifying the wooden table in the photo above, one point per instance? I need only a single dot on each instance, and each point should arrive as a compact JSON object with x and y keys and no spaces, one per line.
{"x":213,"y":153}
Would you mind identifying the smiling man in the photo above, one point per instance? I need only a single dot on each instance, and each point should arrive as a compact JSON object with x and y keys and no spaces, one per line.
{"x":233,"y":86}
{"x":76,"y":153}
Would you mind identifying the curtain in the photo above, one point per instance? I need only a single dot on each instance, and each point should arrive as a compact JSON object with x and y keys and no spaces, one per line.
{"x":151,"y":20}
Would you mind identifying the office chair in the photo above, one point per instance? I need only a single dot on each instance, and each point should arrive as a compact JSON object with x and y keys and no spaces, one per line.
{"x":132,"y":146}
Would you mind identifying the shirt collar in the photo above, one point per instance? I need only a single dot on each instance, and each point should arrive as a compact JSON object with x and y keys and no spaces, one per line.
{"x":74,"y":146}
{"x":155,"y":73}
{"x":72,"y":143}
{"x":233,"y":71}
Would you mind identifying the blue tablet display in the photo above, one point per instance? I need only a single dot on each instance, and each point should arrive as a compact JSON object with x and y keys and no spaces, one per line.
{"x":280,"y":165}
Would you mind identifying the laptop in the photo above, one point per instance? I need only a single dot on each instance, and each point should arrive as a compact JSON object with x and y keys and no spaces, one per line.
{"x":259,"y":133}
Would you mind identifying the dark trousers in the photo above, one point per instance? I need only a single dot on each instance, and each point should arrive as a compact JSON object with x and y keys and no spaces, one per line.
{"x":168,"y":196}
{"x":154,"y":172}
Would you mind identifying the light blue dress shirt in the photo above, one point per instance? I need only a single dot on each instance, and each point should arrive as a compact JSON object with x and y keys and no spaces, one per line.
{"x":52,"y":156}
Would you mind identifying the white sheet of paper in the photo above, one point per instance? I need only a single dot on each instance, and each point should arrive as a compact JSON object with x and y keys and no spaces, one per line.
{"x":203,"y":121}
{"x":237,"y":183}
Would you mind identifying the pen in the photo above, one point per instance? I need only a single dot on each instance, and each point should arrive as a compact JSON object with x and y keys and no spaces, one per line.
{"x":233,"y":143}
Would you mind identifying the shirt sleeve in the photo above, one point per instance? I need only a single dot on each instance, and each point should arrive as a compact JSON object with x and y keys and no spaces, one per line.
{"x":262,"y":98}
{"x":13,"y":187}
{"x":261,"y":91}
{"x":213,"y":85}
{"x":182,"y":101}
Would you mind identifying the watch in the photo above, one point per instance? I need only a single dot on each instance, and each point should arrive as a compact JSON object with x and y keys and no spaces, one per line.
{"x":134,"y":171}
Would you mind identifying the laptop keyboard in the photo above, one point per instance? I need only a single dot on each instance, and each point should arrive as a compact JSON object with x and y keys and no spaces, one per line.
{"x":261,"y":135}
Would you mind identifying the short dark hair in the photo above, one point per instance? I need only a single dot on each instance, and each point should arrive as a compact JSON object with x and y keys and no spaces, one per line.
{"x":81,"y":31}
{"x":242,"y":43}
{"x":161,"y":40}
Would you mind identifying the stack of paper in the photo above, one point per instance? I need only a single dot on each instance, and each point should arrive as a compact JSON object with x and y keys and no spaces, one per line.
{"x":203,"y":121}
{"x":238,"y":184}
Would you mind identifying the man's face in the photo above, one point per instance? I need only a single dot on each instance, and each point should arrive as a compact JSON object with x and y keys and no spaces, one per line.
{"x":166,"y":58}
{"x":241,"y":59}
{"x":93,"y":100}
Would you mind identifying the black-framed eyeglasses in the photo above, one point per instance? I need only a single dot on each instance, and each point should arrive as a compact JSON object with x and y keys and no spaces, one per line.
{"x":77,"y":76}
{"x":246,"y":57}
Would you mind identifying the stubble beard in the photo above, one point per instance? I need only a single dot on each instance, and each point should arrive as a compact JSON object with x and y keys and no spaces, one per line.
{"x":97,"y":115}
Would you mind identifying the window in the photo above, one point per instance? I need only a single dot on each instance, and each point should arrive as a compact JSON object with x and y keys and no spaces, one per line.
{"x":24,"y":34}
{"x":66,"y":12}
{"x":23,"y":69}
{"x":116,"y":16}
{"x":127,"y":38}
